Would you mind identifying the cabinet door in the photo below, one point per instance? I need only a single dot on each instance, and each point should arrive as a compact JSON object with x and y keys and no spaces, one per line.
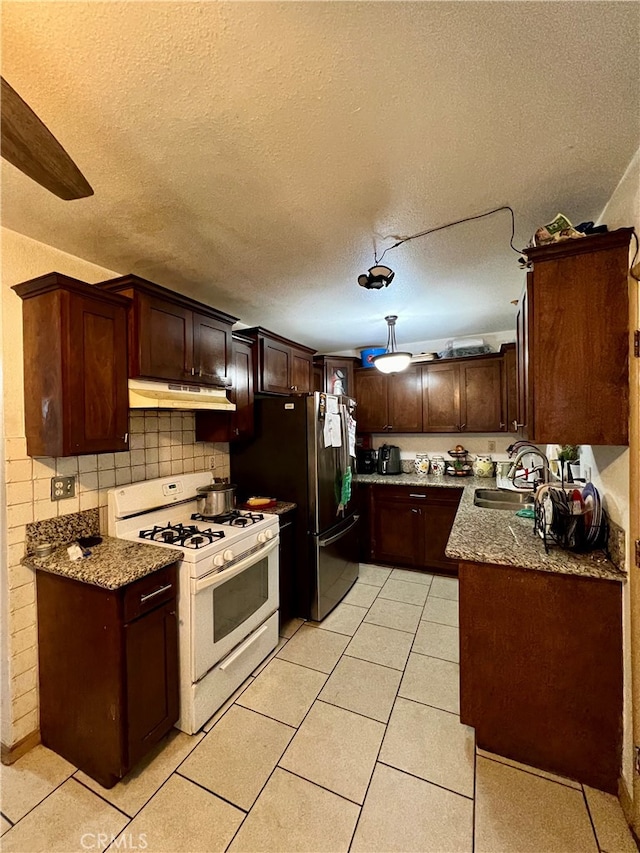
{"x":509,"y":387}
{"x":165,"y":334}
{"x":151,"y":650}
{"x":242,"y":418}
{"x":338,"y":376}
{"x":438,"y":521}
{"x":481,"y":396}
{"x":396,"y":531}
{"x":372,"y":414}
{"x":301,"y":371}
{"x":96,"y":409}
{"x":522,"y":347}
{"x":275,"y":365}
{"x":441,"y":398}
{"x":211,"y":350}
{"x":404,"y":393}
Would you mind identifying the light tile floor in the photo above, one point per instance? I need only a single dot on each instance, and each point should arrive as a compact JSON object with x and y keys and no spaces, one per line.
{"x":346,"y":738}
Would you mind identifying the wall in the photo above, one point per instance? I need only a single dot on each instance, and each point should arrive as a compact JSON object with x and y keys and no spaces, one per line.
{"x":160,"y":444}
{"x":611,"y":465}
{"x":475,"y":443}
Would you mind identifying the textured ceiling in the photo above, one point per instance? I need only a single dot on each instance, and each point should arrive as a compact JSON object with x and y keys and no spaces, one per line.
{"x":250,"y":154}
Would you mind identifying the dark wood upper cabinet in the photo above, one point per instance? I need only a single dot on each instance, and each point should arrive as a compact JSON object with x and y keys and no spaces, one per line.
{"x":301,"y":371}
{"x":372,"y":412}
{"x":281,"y":366}
{"x":388,"y":403}
{"x":238,"y":425}
{"x":441,"y":397}
{"x":335,"y":374}
{"x":481,"y":400}
{"x":509,"y":387}
{"x":405,"y":401}
{"x":574,"y":341}
{"x":75,"y":367}
{"x":172,"y":337}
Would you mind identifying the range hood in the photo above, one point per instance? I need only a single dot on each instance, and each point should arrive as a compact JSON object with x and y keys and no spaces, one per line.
{"x":145,"y":394}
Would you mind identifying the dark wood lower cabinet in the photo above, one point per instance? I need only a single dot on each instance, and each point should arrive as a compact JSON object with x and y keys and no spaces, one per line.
{"x":108,"y":661}
{"x":541,"y":669}
{"x":287,"y":567}
{"x":410,"y":525}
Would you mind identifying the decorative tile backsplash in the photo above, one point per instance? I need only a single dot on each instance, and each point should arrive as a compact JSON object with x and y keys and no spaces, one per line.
{"x":161,"y":444}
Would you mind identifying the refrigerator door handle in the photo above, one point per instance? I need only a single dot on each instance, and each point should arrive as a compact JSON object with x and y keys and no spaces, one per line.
{"x":323,"y":543}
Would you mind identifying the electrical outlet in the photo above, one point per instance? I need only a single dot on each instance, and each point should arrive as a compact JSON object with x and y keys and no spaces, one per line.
{"x":212,"y":461}
{"x":492,"y":446}
{"x":63,"y":487}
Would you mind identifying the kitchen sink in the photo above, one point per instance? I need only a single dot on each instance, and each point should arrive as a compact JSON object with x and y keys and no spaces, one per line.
{"x":499,"y":499}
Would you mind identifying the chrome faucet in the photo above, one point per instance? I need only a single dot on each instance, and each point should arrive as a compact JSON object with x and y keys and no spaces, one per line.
{"x":527,"y":449}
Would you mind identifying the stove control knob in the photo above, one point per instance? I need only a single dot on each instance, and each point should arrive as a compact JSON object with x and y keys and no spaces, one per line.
{"x":218,"y":560}
{"x":227,"y":555}
{"x":265,"y":536}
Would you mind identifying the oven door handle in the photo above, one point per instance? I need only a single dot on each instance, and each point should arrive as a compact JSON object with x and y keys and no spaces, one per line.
{"x":223,"y":574}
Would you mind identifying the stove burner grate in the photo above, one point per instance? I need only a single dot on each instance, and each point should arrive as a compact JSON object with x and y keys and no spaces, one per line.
{"x":234,"y":518}
{"x":184,"y":535}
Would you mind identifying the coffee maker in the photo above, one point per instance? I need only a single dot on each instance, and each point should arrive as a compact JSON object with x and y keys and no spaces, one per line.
{"x":366,"y":460}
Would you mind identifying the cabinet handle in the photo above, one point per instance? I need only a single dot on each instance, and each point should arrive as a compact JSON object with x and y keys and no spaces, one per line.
{"x":125,"y":437}
{"x":390,"y":426}
{"x":417,"y":496}
{"x":502,"y":425}
{"x":149,"y":595}
{"x":516,"y":425}
{"x":462,"y":427}
{"x":415,"y":510}
{"x":193,"y":371}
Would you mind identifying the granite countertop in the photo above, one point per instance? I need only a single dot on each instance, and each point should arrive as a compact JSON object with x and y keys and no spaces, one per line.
{"x":482,"y":535}
{"x":112,"y":564}
{"x":279,"y":509}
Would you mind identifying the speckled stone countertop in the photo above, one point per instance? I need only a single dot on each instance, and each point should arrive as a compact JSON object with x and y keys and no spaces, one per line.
{"x":483,"y":536}
{"x":279,"y":509}
{"x":112,"y":564}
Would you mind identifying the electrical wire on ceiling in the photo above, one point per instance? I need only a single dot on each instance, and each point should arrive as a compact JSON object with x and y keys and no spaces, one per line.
{"x":401,"y":240}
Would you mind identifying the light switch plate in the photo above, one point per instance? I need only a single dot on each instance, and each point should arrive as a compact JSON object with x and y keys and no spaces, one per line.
{"x":62,"y":488}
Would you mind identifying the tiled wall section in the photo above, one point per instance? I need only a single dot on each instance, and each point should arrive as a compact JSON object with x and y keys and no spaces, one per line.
{"x":160,"y":443}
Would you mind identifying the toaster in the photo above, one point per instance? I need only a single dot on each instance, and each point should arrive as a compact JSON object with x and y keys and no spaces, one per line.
{"x":389,"y":459}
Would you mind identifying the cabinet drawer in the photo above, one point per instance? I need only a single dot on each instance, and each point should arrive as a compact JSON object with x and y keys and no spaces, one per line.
{"x":147,"y":593}
{"x":418,"y":494}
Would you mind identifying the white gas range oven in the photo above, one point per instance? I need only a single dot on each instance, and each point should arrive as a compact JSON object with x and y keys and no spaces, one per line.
{"x":228,"y":585}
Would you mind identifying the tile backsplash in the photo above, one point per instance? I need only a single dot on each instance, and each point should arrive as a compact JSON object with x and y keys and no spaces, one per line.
{"x":161,"y":444}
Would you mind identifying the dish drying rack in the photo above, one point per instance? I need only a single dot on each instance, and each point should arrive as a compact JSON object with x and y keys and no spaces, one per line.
{"x":566,"y":525}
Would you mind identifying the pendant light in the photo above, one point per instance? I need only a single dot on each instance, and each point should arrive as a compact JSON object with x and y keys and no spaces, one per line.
{"x":392,"y":361}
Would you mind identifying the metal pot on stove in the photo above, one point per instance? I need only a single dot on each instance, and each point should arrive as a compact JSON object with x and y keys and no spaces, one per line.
{"x":215,"y":499}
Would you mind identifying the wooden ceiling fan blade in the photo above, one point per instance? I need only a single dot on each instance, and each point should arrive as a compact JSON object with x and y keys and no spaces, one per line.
{"x":29,"y":146}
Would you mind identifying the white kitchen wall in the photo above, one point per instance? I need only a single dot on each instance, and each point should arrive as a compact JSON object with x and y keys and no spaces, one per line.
{"x":160,"y":444}
{"x":475,"y":443}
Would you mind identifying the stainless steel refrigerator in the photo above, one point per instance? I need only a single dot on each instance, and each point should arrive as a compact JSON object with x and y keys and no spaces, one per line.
{"x":291,"y":457}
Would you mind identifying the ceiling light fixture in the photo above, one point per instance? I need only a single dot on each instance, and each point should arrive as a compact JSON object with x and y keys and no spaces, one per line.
{"x":376,"y":278}
{"x":380,"y":276}
{"x":392,"y":361}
